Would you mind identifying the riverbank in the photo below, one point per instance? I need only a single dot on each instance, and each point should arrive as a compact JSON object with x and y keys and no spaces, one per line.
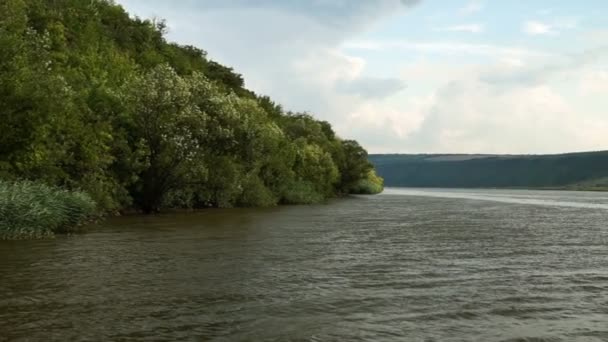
{"x":30,"y":210}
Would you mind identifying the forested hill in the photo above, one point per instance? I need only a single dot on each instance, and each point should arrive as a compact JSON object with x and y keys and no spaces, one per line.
{"x":96,"y":100}
{"x":574,"y":170}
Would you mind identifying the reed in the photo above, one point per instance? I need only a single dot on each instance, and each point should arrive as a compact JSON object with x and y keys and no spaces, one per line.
{"x":31,"y":210}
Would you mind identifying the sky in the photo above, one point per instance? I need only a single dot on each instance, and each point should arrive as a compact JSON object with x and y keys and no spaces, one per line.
{"x":417,"y":76}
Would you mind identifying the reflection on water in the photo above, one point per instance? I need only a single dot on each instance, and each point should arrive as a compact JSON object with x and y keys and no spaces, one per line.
{"x":418,"y":265}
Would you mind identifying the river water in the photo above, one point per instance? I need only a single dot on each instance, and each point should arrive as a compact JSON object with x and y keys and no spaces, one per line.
{"x":406,"y":265}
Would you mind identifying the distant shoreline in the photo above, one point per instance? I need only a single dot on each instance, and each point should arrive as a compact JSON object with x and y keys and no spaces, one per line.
{"x":586,"y":171}
{"x":605,"y":189}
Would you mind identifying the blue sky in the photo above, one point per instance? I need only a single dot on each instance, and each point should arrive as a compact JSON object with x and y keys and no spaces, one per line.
{"x":411,"y":76}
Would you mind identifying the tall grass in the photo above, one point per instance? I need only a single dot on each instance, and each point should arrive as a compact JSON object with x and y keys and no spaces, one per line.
{"x":32,"y":211}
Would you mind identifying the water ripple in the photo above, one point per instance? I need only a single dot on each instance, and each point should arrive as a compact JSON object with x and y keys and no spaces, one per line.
{"x":415,"y":265}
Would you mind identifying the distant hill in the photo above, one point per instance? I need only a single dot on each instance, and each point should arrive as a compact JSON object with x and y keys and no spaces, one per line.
{"x":583,"y":171}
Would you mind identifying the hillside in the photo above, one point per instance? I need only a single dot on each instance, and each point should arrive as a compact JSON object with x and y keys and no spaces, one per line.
{"x":93,"y":99}
{"x":574,"y":170}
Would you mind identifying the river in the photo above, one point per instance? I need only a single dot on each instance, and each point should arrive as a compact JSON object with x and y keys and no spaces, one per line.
{"x":406,"y":265}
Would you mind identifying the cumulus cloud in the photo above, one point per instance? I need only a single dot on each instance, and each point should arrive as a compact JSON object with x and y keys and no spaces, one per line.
{"x":504,"y":107}
{"x":469,"y":116}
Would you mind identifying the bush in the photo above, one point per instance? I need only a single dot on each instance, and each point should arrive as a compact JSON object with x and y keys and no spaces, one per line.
{"x":302,"y":192}
{"x":370,"y":185}
{"x":33,"y":211}
{"x":256,"y":194}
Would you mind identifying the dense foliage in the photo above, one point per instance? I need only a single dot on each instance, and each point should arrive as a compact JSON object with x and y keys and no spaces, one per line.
{"x":372,"y":184}
{"x":95,"y":100}
{"x":573,"y":171}
{"x":29,"y":210}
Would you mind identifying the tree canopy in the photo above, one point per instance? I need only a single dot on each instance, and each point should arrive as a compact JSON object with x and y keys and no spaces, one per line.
{"x":93,"y":99}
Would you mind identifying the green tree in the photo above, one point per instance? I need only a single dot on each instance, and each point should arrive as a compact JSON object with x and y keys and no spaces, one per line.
{"x":354,"y":164}
{"x":92,"y":99}
{"x":172,"y":127}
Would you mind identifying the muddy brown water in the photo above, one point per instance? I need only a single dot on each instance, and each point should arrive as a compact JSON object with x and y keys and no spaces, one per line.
{"x":406,"y":265}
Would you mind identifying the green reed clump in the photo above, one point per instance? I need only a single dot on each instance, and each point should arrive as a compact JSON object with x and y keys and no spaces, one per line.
{"x":32,"y":211}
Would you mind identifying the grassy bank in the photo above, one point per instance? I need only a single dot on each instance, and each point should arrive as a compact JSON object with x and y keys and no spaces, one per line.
{"x":31,"y":210}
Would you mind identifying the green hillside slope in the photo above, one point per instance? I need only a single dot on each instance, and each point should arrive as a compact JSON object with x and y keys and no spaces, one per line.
{"x":92,"y":99}
{"x":573,"y":170}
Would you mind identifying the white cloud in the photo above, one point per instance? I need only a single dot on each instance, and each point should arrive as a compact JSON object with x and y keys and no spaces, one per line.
{"x":371,"y":87}
{"x":561,"y":110}
{"x":537,"y":28}
{"x":556,"y":68}
{"x":471,"y":28}
{"x":594,"y":82}
{"x":471,"y":7}
{"x":595,"y":37}
{"x":472,"y":116}
{"x":446,"y":47}
{"x":554,"y":27}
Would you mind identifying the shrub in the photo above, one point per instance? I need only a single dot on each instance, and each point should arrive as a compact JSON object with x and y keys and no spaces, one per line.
{"x":31,"y":210}
{"x":302,"y":192}
{"x":256,"y":194}
{"x":370,"y":185}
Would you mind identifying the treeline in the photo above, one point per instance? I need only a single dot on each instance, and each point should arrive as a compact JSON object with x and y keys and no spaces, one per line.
{"x":580,"y":171}
{"x":94,"y":100}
